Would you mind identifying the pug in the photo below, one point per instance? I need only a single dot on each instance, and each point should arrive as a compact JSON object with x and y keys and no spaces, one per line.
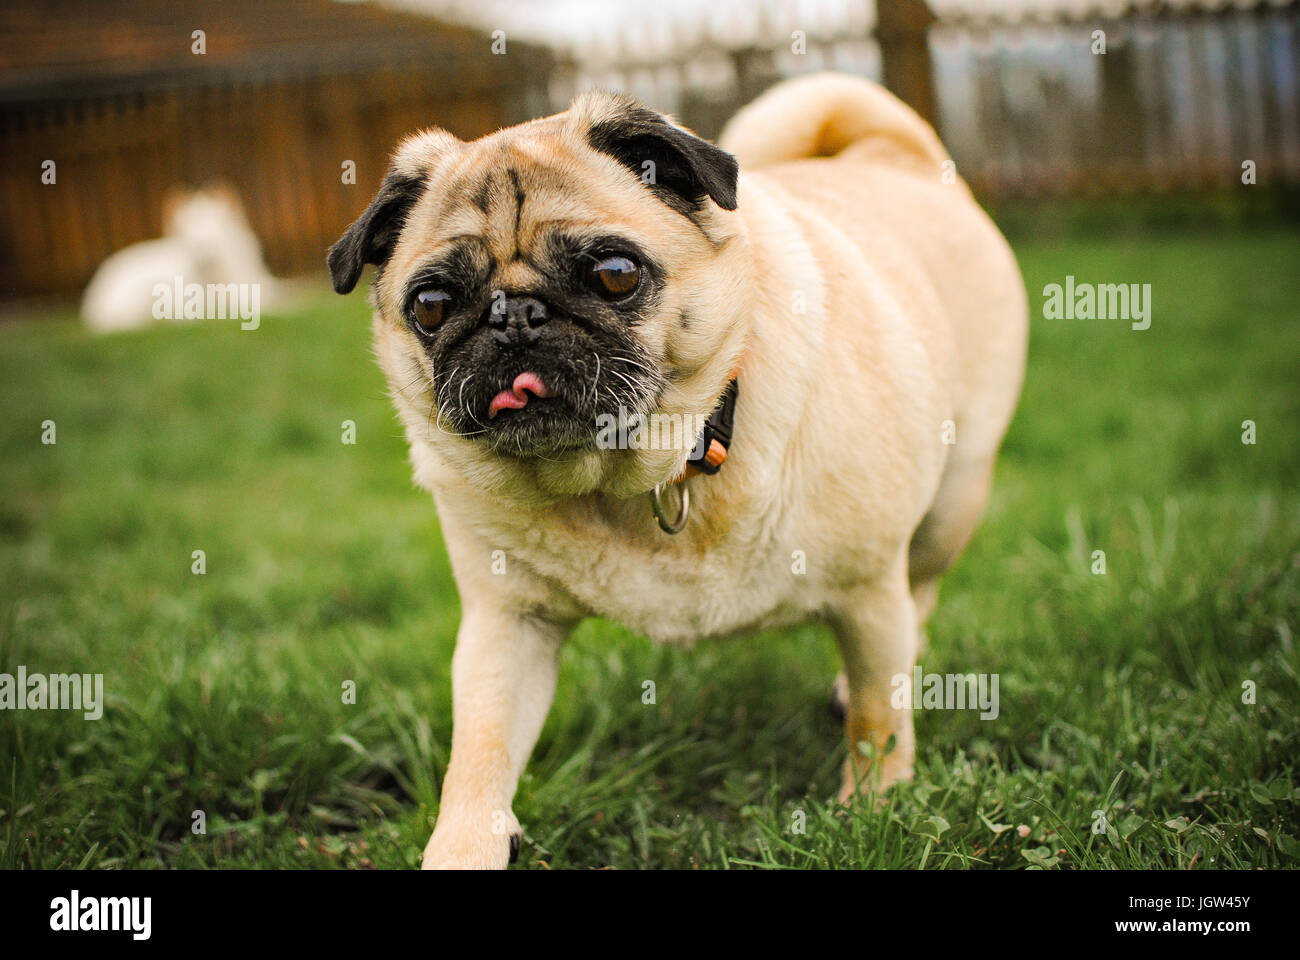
{"x":827,"y":329}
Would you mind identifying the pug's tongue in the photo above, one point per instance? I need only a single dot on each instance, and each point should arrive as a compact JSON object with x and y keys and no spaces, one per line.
{"x":517,"y":396}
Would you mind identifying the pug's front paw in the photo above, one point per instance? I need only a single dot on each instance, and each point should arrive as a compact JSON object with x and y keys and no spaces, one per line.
{"x":473,"y":844}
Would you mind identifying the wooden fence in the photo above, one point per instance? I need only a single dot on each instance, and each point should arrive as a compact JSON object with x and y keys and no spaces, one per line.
{"x":281,"y":142}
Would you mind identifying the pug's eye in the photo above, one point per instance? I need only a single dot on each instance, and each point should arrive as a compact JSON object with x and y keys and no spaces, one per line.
{"x":615,"y":277}
{"x":428,"y":308}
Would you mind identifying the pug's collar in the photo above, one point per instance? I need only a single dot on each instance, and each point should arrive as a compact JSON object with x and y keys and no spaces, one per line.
{"x":707,"y":457}
{"x":715,"y":440}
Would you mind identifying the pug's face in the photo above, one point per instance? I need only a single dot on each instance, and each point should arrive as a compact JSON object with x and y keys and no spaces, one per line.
{"x":533,"y":280}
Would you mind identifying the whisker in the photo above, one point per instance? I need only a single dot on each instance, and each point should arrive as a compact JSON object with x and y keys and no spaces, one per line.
{"x":636,"y":363}
{"x":469,"y":411}
{"x":636,"y":390}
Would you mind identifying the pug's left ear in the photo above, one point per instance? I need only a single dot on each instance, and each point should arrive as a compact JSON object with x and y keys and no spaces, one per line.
{"x":673,"y":162}
{"x":372,"y":237}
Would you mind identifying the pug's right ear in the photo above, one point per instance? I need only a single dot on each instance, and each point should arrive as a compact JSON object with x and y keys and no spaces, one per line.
{"x":372,"y":238}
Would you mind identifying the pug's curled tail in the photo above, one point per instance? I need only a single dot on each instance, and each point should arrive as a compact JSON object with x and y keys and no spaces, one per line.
{"x":826,"y":114}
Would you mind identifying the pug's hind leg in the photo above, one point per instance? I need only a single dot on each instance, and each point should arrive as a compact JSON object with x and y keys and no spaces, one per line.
{"x":876,"y":629}
{"x":840,"y":697}
{"x":502,"y":682}
{"x":925,"y":597}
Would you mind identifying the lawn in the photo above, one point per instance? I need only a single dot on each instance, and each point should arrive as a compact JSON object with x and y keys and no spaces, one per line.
{"x":1120,"y":692}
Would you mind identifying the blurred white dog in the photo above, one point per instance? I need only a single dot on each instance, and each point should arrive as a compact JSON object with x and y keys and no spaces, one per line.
{"x":208,"y":245}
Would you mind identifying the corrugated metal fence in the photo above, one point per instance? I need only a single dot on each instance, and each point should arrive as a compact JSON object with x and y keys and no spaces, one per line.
{"x":1179,"y":100}
{"x":1174,"y":102}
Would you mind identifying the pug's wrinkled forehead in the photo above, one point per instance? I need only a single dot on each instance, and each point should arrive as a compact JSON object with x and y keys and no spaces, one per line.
{"x":607,"y":163}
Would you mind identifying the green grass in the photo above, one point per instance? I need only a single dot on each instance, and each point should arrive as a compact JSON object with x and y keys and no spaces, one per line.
{"x":1120,"y":693}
